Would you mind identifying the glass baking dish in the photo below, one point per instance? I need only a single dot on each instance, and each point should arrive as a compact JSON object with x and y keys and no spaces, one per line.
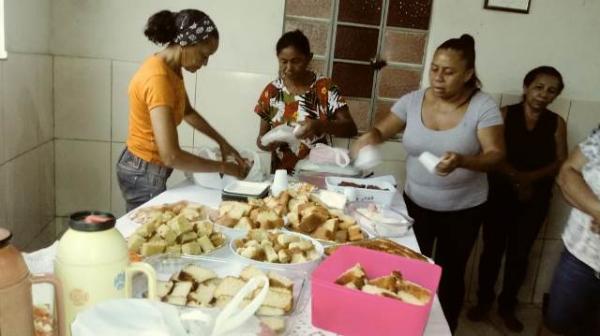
{"x":166,"y":265}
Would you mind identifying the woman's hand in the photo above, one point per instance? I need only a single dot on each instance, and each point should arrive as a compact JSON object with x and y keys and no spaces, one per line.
{"x":234,"y":169}
{"x":228,"y":151}
{"x":373,"y":137}
{"x":310,"y":128}
{"x":449,"y":162}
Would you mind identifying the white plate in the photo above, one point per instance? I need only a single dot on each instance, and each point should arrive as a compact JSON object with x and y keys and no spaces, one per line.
{"x":246,"y":188}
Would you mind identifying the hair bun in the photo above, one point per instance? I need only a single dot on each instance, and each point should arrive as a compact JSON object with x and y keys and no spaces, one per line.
{"x":468,"y":40}
{"x":160,"y":27}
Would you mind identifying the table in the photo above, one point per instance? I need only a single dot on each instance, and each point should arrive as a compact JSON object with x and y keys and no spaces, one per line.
{"x":299,"y":325}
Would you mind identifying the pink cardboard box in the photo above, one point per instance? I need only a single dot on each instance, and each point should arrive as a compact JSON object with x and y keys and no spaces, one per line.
{"x":351,"y":312}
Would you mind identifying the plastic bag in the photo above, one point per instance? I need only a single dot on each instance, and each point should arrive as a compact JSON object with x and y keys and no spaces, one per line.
{"x":116,"y":317}
{"x":325,"y":154}
{"x":281,"y":133}
{"x":215,"y":181}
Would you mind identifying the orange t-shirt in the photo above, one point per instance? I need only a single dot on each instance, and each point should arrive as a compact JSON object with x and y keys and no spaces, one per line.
{"x":154,"y":84}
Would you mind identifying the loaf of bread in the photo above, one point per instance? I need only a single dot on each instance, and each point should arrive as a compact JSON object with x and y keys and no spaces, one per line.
{"x":392,"y":285}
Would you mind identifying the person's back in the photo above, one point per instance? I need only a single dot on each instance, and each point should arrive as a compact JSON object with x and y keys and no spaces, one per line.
{"x":153,"y":85}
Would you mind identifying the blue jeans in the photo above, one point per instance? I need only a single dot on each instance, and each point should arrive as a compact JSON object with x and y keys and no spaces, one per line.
{"x":574,"y":306}
{"x":140,"y":180}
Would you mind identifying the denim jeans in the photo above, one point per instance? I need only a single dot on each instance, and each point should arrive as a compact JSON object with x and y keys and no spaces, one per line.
{"x":140,"y":180}
{"x":574,"y":306}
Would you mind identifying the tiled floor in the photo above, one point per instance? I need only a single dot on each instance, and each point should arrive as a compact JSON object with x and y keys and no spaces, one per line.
{"x":530,"y":315}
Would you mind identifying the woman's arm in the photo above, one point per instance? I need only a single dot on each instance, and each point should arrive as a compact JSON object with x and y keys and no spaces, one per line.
{"x":384,"y":129}
{"x":165,"y":136}
{"x":574,"y":188}
{"x":194,"y":119}
{"x":491,"y":140}
{"x":340,"y":125}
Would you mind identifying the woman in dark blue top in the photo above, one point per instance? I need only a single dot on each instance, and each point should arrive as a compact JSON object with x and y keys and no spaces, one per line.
{"x":520,"y":191}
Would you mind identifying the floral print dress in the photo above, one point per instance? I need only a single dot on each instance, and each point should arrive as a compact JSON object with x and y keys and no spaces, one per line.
{"x":578,"y":236}
{"x":277,"y":106}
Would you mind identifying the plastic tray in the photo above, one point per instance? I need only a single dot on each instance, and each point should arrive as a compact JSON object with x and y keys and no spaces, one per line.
{"x":383,"y":197}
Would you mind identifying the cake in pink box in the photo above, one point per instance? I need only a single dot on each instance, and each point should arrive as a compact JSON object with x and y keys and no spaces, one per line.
{"x":352,"y":312}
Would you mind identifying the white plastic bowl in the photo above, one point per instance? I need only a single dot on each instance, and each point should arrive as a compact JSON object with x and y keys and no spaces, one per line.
{"x":305,"y":266}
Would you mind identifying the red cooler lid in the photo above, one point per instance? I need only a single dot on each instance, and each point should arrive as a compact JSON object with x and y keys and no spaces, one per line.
{"x":92,"y":221}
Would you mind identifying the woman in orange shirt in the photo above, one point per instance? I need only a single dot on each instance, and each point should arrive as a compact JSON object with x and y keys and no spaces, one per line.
{"x":158,"y":103}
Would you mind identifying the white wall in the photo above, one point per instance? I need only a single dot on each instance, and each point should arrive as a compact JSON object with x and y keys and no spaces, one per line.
{"x":560,"y":33}
{"x":26,"y":125}
{"x":99,"y":45}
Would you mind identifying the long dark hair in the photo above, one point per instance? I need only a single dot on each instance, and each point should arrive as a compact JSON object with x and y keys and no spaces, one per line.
{"x":466,"y":45}
{"x":162,"y":27}
{"x":544,"y":70}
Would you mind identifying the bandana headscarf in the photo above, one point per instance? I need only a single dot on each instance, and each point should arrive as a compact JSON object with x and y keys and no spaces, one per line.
{"x":191,"y":30}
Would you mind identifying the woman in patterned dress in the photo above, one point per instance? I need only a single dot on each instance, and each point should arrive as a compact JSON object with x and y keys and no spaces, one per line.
{"x":300,"y":97}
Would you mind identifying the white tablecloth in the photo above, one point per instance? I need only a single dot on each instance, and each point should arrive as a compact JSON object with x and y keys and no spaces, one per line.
{"x":299,"y":325}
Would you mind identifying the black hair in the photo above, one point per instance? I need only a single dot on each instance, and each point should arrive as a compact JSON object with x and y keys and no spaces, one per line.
{"x":544,"y":70}
{"x":295,"y":39}
{"x":466,"y":45}
{"x":161,"y":27}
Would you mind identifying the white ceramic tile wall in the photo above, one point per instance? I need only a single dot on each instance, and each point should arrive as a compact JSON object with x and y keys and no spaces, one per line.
{"x":122,"y":72}
{"x":558,"y":215}
{"x":27,"y":25}
{"x":113,"y":30}
{"x":3,"y":196}
{"x":117,"y":204}
{"x":227,"y":99}
{"x":46,"y":182}
{"x":23,"y":197}
{"x":2,"y":135}
{"x":82,"y":176}
{"x":27,"y":114}
{"x":583,"y":117}
{"x":82,"y":98}
{"x":551,"y":251}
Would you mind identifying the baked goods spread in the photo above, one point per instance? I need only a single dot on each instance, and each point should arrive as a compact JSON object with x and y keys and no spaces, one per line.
{"x":392,"y":285}
{"x":384,"y":245}
{"x":195,"y":286}
{"x":179,"y":228}
{"x":275,"y":247}
{"x":304,"y":211}
{"x":255,"y":214}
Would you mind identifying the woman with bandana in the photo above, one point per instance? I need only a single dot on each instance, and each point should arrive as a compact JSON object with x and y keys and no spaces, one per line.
{"x":300,"y":97}
{"x":158,"y":103}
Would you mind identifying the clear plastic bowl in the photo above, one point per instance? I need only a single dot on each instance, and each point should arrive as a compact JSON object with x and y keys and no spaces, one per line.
{"x":379,"y":221}
{"x":166,"y":265}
